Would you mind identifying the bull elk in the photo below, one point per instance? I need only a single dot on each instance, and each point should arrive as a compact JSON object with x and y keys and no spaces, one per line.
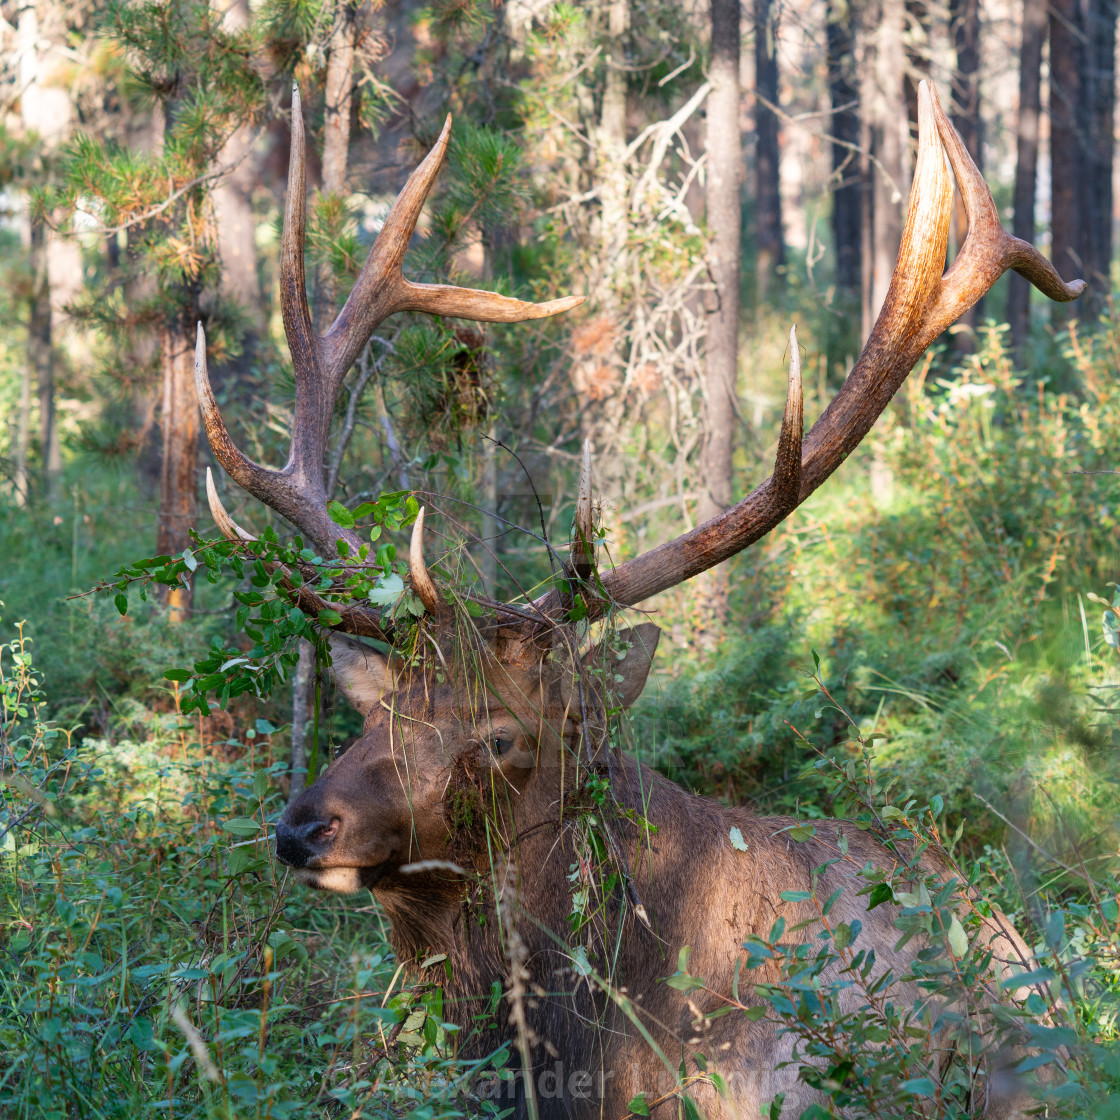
{"x":458,"y":806}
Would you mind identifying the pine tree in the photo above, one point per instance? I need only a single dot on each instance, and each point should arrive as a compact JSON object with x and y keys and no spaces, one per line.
{"x":201,"y":75}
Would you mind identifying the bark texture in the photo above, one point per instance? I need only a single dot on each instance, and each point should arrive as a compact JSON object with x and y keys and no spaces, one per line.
{"x":1026,"y":166}
{"x":770,"y":244}
{"x":55,"y":263}
{"x":847,"y":180}
{"x":611,"y":171}
{"x":1098,"y":107}
{"x":1066,"y":147}
{"x":724,"y":153}
{"x":40,"y":350}
{"x":964,"y":32}
{"x":339,"y":98}
{"x":178,"y":491}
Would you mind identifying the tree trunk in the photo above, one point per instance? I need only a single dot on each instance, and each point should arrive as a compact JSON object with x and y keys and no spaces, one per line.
{"x":1097,"y":103}
{"x":44,"y":112}
{"x":40,"y":352}
{"x":233,"y":211}
{"x":770,"y":243}
{"x":1067,"y":167}
{"x":336,"y":135}
{"x":847,"y":180}
{"x":236,"y":230}
{"x":964,"y":32}
{"x":178,"y":490}
{"x":339,"y":91}
{"x":915,"y":38}
{"x":724,"y":216}
{"x":303,"y":700}
{"x":1026,"y":166}
{"x":887,"y":133}
{"x":23,"y":437}
{"x":611,"y":170}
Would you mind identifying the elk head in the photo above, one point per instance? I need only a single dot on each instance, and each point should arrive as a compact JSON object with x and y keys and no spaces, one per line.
{"x":506,"y":706}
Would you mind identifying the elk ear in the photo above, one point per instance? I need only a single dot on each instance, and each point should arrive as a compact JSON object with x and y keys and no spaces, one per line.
{"x":362,"y":673}
{"x":637,"y":645}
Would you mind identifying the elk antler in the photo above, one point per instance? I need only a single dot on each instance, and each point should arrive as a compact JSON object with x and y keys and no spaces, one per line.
{"x":297,"y":491}
{"x":920,"y":304}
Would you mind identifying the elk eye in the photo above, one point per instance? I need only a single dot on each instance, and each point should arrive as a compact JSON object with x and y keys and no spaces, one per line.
{"x":500,"y":745}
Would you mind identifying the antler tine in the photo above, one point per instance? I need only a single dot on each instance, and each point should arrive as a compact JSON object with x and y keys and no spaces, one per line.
{"x":315,"y":396}
{"x":988,"y":245}
{"x":786,"y":479}
{"x":583,"y":526}
{"x":381,"y":289}
{"x":920,"y":304}
{"x":246,"y":473}
{"x":422,"y":582}
{"x":226,"y":524}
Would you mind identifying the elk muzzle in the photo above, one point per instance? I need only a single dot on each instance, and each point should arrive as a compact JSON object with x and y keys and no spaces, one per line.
{"x":303,"y":844}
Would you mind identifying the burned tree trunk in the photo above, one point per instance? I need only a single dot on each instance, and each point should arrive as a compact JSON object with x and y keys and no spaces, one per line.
{"x":770,"y":244}
{"x":1026,"y":166}
{"x":847,"y":180}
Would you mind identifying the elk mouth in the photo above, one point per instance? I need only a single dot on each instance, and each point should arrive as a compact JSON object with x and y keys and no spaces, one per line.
{"x":342,"y":880}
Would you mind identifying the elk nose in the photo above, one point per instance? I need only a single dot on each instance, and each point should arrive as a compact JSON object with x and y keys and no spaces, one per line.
{"x":298,"y":844}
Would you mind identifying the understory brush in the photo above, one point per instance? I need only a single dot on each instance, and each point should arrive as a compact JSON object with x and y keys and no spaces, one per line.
{"x":153,"y":961}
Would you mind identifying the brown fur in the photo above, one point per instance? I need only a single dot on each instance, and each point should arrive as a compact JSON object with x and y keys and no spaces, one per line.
{"x":392,"y":791}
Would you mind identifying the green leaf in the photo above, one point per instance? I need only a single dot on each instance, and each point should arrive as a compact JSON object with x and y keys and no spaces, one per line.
{"x":242,"y":826}
{"x":683,"y":983}
{"x":364,"y":510}
{"x":880,"y":893}
{"x":802,"y":832}
{"x":387,"y":590}
{"x":919,"y":1087}
{"x":638,"y":1105}
{"x":958,"y":939}
{"x":121,"y":599}
{"x":1035,"y":976}
{"x":737,"y":841}
{"x":795,"y":896}
{"x":178,"y":675}
{"x":340,"y":515}
{"x":329,"y":617}
{"x":1110,"y":910}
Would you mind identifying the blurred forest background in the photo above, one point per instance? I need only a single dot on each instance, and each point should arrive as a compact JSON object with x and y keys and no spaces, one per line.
{"x":706,"y":175}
